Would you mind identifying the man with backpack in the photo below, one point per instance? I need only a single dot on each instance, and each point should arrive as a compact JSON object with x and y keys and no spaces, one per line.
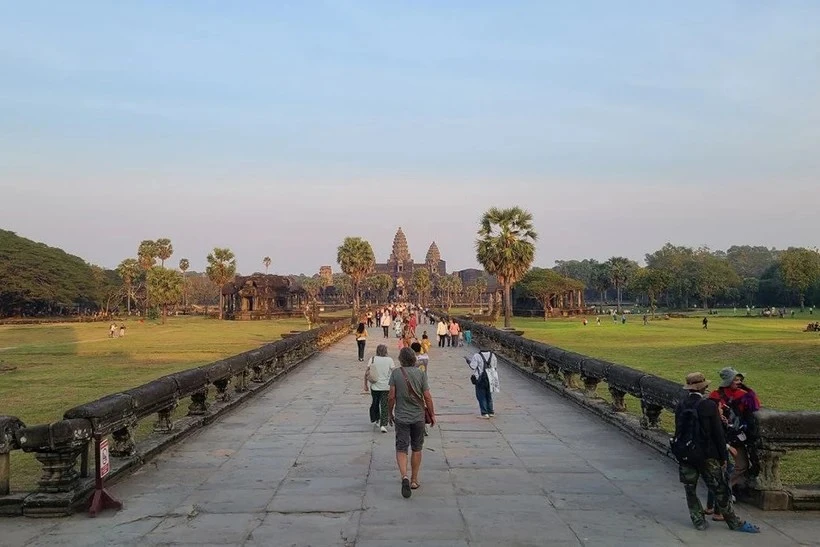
{"x":700,"y":448}
{"x":484,"y":364}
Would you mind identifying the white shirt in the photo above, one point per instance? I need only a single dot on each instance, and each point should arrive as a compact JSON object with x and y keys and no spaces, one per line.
{"x":477,"y":363}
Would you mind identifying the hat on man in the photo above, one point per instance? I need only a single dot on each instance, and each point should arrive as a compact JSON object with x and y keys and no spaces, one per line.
{"x":696,"y":381}
{"x":727,"y":376}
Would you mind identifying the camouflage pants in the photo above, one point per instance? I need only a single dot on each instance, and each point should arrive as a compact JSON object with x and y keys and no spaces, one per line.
{"x":715,"y":480}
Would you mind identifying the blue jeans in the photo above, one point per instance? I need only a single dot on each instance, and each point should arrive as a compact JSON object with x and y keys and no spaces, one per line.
{"x":485,"y":399}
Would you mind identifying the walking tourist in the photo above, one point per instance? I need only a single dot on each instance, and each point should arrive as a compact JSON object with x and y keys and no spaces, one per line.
{"x":408,"y":397}
{"x":452,"y":334}
{"x":484,"y":365}
{"x":705,"y":323}
{"x":441,"y":332}
{"x":385,"y":323}
{"x":378,"y":376}
{"x":361,"y":338}
{"x":700,"y":447}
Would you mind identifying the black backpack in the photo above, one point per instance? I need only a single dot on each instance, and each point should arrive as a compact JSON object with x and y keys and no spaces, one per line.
{"x":689,"y":443}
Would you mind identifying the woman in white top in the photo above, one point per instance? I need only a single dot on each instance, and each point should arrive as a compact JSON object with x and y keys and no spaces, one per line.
{"x":378,"y":375}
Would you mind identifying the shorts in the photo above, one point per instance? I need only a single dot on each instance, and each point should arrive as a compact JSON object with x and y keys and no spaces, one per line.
{"x":411,"y":435}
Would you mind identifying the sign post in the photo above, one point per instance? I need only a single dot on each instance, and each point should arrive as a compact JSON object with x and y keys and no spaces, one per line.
{"x":102,"y":499}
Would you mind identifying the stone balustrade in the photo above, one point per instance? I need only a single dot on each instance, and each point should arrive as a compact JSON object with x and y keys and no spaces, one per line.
{"x":62,"y":447}
{"x":577,"y":377}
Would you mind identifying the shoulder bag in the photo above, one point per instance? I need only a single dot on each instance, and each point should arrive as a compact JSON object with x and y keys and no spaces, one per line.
{"x":428,"y":416}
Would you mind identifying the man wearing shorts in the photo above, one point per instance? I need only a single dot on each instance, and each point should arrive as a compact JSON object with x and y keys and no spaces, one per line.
{"x":409,"y":395}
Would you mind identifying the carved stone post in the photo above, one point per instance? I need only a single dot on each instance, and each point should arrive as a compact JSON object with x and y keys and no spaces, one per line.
{"x":618,"y":402}
{"x":571,"y":380}
{"x":164,"y":423}
{"x":241,"y":384}
{"x":258,"y":376}
{"x":222,"y":389}
{"x":9,"y":426}
{"x":591,"y":387}
{"x":270,"y":367}
{"x":651,"y":415}
{"x":767,"y":488}
{"x":538,"y":365}
{"x":199,"y":404}
{"x":123,"y":444}
{"x":553,"y":372}
{"x":59,"y":468}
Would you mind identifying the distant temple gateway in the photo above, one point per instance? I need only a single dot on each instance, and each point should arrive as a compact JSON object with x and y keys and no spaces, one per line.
{"x":400,"y":266}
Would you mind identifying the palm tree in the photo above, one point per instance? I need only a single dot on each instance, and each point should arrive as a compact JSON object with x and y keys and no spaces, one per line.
{"x":620,"y":271}
{"x":221,"y":269}
{"x":184,"y":264}
{"x":164,"y":250}
{"x":481,"y":286}
{"x":506,"y":248}
{"x":355,"y":257}
{"x":266,"y":261}
{"x":422,"y":283}
{"x":164,"y":288}
{"x":147,"y":254}
{"x":128,"y":270}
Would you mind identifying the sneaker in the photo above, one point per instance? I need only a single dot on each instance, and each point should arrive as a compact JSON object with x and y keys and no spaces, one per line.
{"x":486,"y":416}
{"x":383,"y":429}
{"x":748,"y":527}
{"x":491,"y":415}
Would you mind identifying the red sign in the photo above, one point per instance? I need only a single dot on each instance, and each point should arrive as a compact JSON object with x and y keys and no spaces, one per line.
{"x":105,"y":458}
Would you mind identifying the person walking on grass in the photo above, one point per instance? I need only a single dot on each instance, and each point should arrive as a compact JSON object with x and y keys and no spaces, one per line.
{"x":408,"y":397}
{"x":700,"y":448}
{"x":378,"y":376}
{"x":705,"y":323}
{"x":361,"y":338}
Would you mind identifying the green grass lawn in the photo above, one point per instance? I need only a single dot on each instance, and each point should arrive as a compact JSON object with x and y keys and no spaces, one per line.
{"x":780,"y":362}
{"x":59,"y":366}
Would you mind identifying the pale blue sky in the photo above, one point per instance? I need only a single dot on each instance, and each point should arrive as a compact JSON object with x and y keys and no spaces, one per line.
{"x":278,"y":128}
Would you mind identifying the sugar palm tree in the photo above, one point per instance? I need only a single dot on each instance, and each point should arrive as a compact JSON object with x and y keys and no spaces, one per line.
{"x":221,"y":269}
{"x":620,"y":271}
{"x":184,"y":264}
{"x":164,"y":250}
{"x":355,"y":257}
{"x":147,"y":254}
{"x":164,"y":288}
{"x":506,"y":248}
{"x":128,"y":270}
{"x":266,"y":261}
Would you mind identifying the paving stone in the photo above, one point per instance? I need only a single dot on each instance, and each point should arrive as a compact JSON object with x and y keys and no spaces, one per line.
{"x":205,"y":528}
{"x":306,"y":529}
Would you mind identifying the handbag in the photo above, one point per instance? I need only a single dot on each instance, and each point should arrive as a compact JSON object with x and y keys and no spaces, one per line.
{"x":369,"y":372}
{"x":428,"y":416}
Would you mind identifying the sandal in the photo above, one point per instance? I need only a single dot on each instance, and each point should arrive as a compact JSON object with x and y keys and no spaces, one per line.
{"x":405,"y":488}
{"x":708,"y":511}
{"x":414,"y":485}
{"x":718,"y":517}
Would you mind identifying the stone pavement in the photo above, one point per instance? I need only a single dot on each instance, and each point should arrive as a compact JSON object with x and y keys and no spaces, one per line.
{"x":301,"y":465}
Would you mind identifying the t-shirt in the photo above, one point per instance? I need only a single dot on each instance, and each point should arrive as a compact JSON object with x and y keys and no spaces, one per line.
{"x":423,"y":361}
{"x":380,"y":368}
{"x":409,"y":409}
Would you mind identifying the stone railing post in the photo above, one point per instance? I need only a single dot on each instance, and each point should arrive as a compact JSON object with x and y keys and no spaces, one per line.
{"x":591,"y":386}
{"x":618,"y":399}
{"x":164,"y":423}
{"x":9,"y":426}
{"x":241,"y":384}
{"x":199,"y":404}
{"x":123,"y":444}
{"x":651,"y":415}
{"x":222,"y":393}
{"x":57,"y":447}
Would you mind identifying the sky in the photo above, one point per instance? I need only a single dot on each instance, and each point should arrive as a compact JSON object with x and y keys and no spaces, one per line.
{"x":279,"y":128}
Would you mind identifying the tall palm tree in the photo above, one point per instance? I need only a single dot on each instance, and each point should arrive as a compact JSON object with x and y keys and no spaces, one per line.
{"x":620,"y":271}
{"x":221,"y":269}
{"x":184,"y":264}
{"x":147,"y":254}
{"x":422,"y":283}
{"x":128,"y":270}
{"x":355,"y":257}
{"x":266,"y":261}
{"x":164,"y":250}
{"x":164,"y":288}
{"x":481,"y":286}
{"x":506,"y":248}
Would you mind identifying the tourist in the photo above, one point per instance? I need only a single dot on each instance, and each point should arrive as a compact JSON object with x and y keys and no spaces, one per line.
{"x":369,"y":318}
{"x":645,"y":319}
{"x":378,"y":376}
{"x":112,"y":330}
{"x":409,"y":396}
{"x":714,"y":455}
{"x":468,"y":336}
{"x":484,"y":364}
{"x":422,"y":359}
{"x":597,"y":321}
{"x":425,"y":343}
{"x":441,"y":332}
{"x":361,"y":338}
{"x":122,"y":330}
{"x":385,"y":323}
{"x":413,"y":323}
{"x":452,"y":334}
{"x":739,"y":403}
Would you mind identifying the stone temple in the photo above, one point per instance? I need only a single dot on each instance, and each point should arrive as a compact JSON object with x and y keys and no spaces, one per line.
{"x":400,"y":266}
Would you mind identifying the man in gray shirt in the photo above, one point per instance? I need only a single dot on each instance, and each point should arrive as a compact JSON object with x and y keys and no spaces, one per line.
{"x":409,"y":395}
